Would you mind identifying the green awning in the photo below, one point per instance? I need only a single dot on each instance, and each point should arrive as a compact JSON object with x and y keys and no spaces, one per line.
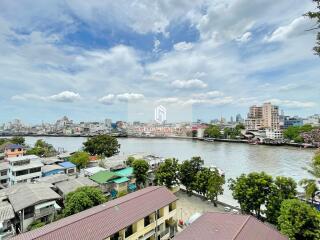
{"x":121,"y":180}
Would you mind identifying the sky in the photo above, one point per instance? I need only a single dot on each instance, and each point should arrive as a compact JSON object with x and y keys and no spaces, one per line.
{"x":200,"y":59}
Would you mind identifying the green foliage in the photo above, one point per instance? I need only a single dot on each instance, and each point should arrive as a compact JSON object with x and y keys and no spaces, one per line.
{"x":42,"y":149}
{"x":80,"y":159}
{"x":130,"y":161}
{"x":140,"y":171}
{"x":103,"y":145}
{"x":299,"y":221}
{"x":293,"y":132}
{"x":251,"y":191}
{"x":282,"y":189}
{"x":310,"y":188}
{"x":215,"y":186}
{"x":314,"y":168}
{"x":36,"y":224}
{"x":213,"y":131}
{"x":18,"y":140}
{"x":200,"y":184}
{"x":167,"y":173}
{"x":82,"y":199}
{"x":316,"y":16}
{"x":122,"y":193}
{"x":188,"y":172}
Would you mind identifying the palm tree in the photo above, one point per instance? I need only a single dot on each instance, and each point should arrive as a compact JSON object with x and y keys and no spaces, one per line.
{"x":310,"y":188}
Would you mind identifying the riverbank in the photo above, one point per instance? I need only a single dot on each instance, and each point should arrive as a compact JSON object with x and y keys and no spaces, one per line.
{"x":244,"y":141}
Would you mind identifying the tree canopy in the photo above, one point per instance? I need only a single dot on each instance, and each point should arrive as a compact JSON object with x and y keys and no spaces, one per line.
{"x":215,"y":186}
{"x":80,"y":159}
{"x":294,"y":132}
{"x":103,"y":145}
{"x":298,"y":220}
{"x":82,"y":199}
{"x":213,"y":131}
{"x":42,"y":149}
{"x":140,"y":171}
{"x":316,"y":16}
{"x":18,"y":140}
{"x":188,"y":171}
{"x":167,"y":173}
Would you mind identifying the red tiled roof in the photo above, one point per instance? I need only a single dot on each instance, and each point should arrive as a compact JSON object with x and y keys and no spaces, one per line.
{"x":225,"y":226}
{"x":106,"y":219}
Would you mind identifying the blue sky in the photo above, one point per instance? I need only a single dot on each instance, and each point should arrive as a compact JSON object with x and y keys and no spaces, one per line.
{"x":98,"y":59}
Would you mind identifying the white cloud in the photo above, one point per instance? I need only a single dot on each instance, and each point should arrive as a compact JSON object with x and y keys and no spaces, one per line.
{"x":297,"y":27}
{"x":128,"y":97}
{"x":292,"y":103}
{"x":65,"y":96}
{"x":246,"y":37}
{"x":187,"y":84}
{"x":169,"y":100}
{"x":208,"y":95}
{"x":288,"y":87}
{"x":156,"y":45}
{"x":183,"y":46}
{"x":108,"y":99}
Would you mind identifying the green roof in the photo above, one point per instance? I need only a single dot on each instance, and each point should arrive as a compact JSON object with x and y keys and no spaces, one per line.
{"x":126,"y":172}
{"x":121,"y":180}
{"x":104,"y":176}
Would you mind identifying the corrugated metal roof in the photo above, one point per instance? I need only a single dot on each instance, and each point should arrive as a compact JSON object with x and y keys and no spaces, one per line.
{"x":67,"y":165}
{"x":104,"y":176}
{"x":49,"y":168}
{"x":121,"y":180}
{"x":126,"y":172}
{"x":72,"y":184}
{"x":23,"y":195}
{"x":225,"y":226}
{"x":14,"y":146}
{"x":26,"y":157}
{"x":53,"y":179}
{"x":6,"y":211}
{"x":104,"y":220}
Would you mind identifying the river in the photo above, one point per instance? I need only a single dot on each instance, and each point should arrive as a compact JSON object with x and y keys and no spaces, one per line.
{"x":233,"y":158}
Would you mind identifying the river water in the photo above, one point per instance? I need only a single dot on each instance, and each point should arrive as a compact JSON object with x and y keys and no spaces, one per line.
{"x":233,"y":158}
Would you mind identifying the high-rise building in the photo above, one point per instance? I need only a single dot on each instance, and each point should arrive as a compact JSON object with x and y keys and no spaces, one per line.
{"x":265,"y":116}
{"x":239,"y":118}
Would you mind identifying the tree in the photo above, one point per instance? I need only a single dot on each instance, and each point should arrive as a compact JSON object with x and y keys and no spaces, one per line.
{"x":80,"y":159}
{"x":167,"y":173}
{"x":282,"y":189}
{"x":103,"y":145}
{"x":140,"y":171}
{"x":298,"y":220}
{"x":200,"y":184}
{"x":82,"y":199}
{"x":18,"y":140}
{"x":316,"y":16}
{"x":188,"y":171}
{"x":130,"y":161}
{"x":42,"y":149}
{"x":251,"y":191}
{"x":215,"y":186}
{"x":213,"y":131}
{"x":310,"y":188}
{"x":294,"y":132}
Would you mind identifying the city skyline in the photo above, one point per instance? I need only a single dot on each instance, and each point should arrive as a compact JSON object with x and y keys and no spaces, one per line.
{"x":98,"y":60}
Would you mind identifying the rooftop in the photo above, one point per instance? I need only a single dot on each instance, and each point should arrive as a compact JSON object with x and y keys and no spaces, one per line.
{"x":14,"y":146}
{"x":126,"y":172}
{"x":53,"y":179}
{"x":95,"y":223}
{"x":225,"y":226}
{"x":72,"y":184}
{"x":26,"y":157}
{"x":93,"y":170}
{"x":4,"y":165}
{"x":121,"y":180}
{"x":50,"y":160}
{"x":6,"y":211}
{"x":104,"y":176}
{"x":67,"y":165}
{"x":49,"y":168}
{"x":23,"y":195}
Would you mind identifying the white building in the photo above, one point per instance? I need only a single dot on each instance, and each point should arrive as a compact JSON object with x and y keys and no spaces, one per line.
{"x":4,"y":173}
{"x":24,"y":169}
{"x":274,"y":134}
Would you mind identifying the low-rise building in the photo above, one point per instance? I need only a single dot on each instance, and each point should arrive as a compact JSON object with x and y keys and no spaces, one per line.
{"x":274,"y":134}
{"x":6,"y":220}
{"x":52,"y":169}
{"x":24,"y":169}
{"x":70,"y":185}
{"x":30,"y":202}
{"x":69,"y":168}
{"x":226,"y":226}
{"x":149,"y":213}
{"x":4,"y":174}
{"x":14,"y":150}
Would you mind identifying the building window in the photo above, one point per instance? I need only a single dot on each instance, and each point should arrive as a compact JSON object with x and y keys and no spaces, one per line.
{"x":3,"y":173}
{"x":115,"y":236}
{"x":19,"y":149}
{"x":172,"y":206}
{"x":147,"y":221}
{"x":12,"y":150}
{"x":22,"y":172}
{"x":129,"y":231}
{"x":34,"y":170}
{"x":3,"y":181}
{"x":28,"y":212}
